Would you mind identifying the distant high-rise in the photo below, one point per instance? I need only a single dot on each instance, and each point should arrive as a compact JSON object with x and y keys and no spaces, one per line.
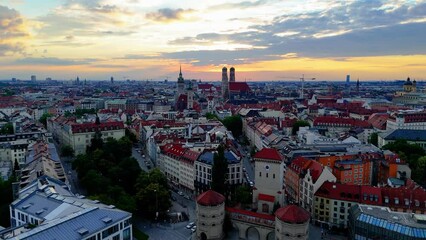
{"x":357,"y":86}
{"x":232,"y":74}
{"x":225,"y":84}
{"x":77,"y":81}
{"x":112,"y":80}
{"x":348,"y":79}
{"x":33,"y":78}
{"x":13,"y":79}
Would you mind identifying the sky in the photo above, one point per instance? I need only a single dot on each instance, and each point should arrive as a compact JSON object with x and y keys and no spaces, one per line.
{"x":262,"y":39}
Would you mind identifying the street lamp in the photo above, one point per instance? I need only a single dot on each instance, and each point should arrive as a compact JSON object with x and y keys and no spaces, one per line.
{"x":156,"y":204}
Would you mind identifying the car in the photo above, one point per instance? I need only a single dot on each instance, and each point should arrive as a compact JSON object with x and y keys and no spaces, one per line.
{"x":173,"y":199}
{"x":193,"y":229}
{"x":187,"y":197}
{"x":190,"y":225}
{"x":180,"y":193}
{"x":251,"y":184}
{"x":143,"y":155}
{"x":244,"y":169}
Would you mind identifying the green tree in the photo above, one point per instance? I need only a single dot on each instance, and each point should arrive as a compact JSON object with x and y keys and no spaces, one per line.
{"x":374,"y":139}
{"x":5,"y":200}
{"x":244,"y":195}
{"x":219,"y":171}
{"x":152,"y":193}
{"x":7,"y":129}
{"x":67,"y":151}
{"x":234,"y":124}
{"x":68,"y":114}
{"x":132,"y":137}
{"x":297,"y":125}
{"x":44,"y":117}
{"x":211,"y":116}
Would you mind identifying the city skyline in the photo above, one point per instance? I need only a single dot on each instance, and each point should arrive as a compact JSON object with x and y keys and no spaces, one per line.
{"x":263,"y":40}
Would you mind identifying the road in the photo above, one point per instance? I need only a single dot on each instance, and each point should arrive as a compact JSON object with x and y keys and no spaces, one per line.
{"x":246,"y":162}
{"x":141,"y":160}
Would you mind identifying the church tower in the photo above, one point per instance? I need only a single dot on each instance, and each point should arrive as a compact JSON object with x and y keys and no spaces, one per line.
{"x":225,"y":83}
{"x":232,"y":74}
{"x":190,"y":94}
{"x":180,"y":83}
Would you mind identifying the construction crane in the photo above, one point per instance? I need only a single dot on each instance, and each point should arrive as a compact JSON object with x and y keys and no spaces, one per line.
{"x":302,"y":79}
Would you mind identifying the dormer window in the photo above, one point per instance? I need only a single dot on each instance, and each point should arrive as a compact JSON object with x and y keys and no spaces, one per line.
{"x":407,"y":202}
{"x":386,"y":200}
{"x":396,"y":201}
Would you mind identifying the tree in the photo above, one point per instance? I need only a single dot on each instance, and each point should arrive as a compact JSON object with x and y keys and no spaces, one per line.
{"x":67,"y":151}
{"x":96,"y":143}
{"x":211,"y":116}
{"x":7,"y":129}
{"x":297,"y":125}
{"x":234,"y":124}
{"x":374,"y":139}
{"x":44,"y":117}
{"x":419,"y":172}
{"x":5,"y":200}
{"x":219,"y":171}
{"x":244,"y":195}
{"x":152,"y":193}
{"x":132,"y":137}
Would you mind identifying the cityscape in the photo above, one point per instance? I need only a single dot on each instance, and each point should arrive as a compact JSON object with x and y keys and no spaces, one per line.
{"x":257,"y":120}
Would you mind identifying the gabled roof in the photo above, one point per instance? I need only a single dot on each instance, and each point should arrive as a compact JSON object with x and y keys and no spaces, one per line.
{"x":210,"y":198}
{"x":269,"y":154}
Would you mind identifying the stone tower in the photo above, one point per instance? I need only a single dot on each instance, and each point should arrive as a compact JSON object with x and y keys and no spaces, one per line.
{"x":190,"y":95}
{"x":291,"y":222}
{"x":210,"y":215}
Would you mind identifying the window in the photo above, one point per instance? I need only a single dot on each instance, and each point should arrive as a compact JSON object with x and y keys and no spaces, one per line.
{"x":273,"y":175}
{"x":110,"y":231}
{"x":267,"y":175}
{"x":126,"y":234}
{"x":260,"y":174}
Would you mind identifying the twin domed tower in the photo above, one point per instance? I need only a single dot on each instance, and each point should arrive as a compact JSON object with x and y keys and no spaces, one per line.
{"x":225,"y":82}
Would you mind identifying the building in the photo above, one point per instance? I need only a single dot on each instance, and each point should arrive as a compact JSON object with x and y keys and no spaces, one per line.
{"x":56,"y":213}
{"x":410,"y":120}
{"x":376,"y":222}
{"x":204,"y":165}
{"x":269,"y":178}
{"x":79,"y":135}
{"x":210,"y":211}
{"x":33,"y":78}
{"x":333,"y":201}
{"x":291,"y":222}
{"x":412,"y":136}
{"x":180,"y":84}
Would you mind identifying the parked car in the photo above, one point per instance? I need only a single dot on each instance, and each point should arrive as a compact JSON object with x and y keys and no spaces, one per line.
{"x":173,"y":199}
{"x":193,"y":229}
{"x":187,"y":197}
{"x":190,"y":225}
{"x":180,"y":193}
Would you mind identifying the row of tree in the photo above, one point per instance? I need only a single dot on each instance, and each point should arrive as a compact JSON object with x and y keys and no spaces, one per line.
{"x":415,"y":156}
{"x":110,"y":174}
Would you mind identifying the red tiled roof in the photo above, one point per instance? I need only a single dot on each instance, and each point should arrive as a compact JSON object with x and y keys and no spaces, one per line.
{"x":331,"y":120}
{"x":250,"y":213}
{"x":269,"y":154}
{"x":92,"y":127}
{"x":315,"y":169}
{"x":266,"y":198}
{"x":239,"y":87}
{"x":210,"y":198}
{"x":292,"y":214}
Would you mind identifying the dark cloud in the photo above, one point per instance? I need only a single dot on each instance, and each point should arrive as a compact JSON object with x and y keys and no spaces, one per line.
{"x":361,"y":28}
{"x":240,"y":5}
{"x":53,"y":61}
{"x":138,"y":56}
{"x":167,"y":14}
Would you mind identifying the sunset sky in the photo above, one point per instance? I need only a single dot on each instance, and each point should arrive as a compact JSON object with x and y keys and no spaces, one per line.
{"x":263,"y":40}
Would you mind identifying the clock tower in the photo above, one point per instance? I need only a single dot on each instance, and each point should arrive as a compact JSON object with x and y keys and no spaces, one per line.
{"x":269,"y":176}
